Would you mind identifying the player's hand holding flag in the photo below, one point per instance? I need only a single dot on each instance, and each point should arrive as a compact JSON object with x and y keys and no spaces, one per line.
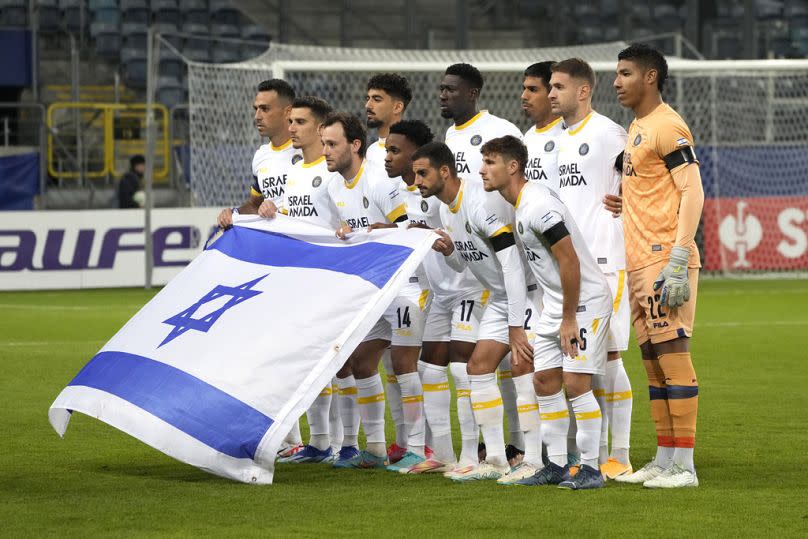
{"x":673,"y":279}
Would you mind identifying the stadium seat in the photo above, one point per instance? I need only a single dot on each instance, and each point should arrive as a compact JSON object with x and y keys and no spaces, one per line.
{"x":169,"y":92}
{"x":728,"y":47}
{"x":768,"y":9}
{"x":13,"y":13}
{"x":108,"y":15}
{"x":794,"y":9}
{"x":171,"y":67}
{"x":135,"y":11}
{"x":134,"y":35}
{"x":50,"y":16}
{"x":253,"y":32}
{"x":196,"y":52}
{"x":225,"y":53}
{"x":71,"y":15}
{"x":252,"y":50}
{"x":169,"y":31}
{"x":107,"y":41}
{"x":134,"y":66}
{"x":224,"y":30}
{"x":589,"y":34}
{"x":97,"y":28}
{"x":259,"y":41}
{"x":223,"y":12}
{"x":609,"y":8}
{"x":193,"y":5}
{"x":166,"y":11}
{"x":201,"y":42}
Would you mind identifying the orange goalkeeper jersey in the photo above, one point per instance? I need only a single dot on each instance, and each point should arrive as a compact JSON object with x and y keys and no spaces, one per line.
{"x":650,"y":196}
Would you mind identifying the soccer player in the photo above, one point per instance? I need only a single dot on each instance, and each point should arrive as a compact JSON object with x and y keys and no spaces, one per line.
{"x":271,"y":162}
{"x":542,"y":138}
{"x":459,"y":93}
{"x":388,"y":95}
{"x":590,"y":160}
{"x":306,"y":197}
{"x":453,"y":319}
{"x":366,"y":195}
{"x":662,"y":204}
{"x":570,"y":342}
{"x":479,"y":235}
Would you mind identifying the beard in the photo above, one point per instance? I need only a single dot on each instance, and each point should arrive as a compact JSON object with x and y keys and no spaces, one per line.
{"x":446,"y":113}
{"x":373,"y":123}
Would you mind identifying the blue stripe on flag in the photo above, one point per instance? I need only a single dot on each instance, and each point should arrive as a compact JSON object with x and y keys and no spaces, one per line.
{"x":193,"y":406}
{"x":373,"y":262}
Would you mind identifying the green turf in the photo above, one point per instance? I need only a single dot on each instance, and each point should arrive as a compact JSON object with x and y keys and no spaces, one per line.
{"x":752,"y":452}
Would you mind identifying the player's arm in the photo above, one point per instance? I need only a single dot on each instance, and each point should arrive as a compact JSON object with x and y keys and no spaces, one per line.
{"x":673,"y":279}
{"x":569,"y":269}
{"x":513,"y":274}
{"x":250,"y":207}
{"x":445,"y":246}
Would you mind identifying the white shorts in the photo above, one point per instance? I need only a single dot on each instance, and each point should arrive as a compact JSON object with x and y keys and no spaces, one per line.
{"x":494,"y":322}
{"x":592,"y":344}
{"x":404,"y":320}
{"x":620,"y":323}
{"x":456,"y":318}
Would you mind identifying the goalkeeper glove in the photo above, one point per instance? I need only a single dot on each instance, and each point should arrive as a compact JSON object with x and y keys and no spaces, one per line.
{"x":673,"y":279}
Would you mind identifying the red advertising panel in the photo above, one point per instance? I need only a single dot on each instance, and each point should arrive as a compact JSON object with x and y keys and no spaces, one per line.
{"x":767,"y":233}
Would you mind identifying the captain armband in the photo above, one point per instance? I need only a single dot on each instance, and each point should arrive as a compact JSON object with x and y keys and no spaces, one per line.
{"x":556,"y":233}
{"x":502,"y":241}
{"x":679,"y":157}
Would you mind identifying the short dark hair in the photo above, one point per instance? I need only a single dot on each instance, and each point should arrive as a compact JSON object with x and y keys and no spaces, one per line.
{"x":136,"y":160}
{"x":438,"y":154}
{"x":649,"y":58}
{"x":509,"y":147}
{"x":415,"y":131}
{"x":468,"y":73}
{"x":575,"y":68}
{"x":541,"y":70}
{"x":318,"y":106}
{"x":354,"y":130}
{"x":280,"y":87}
{"x":393,"y":84}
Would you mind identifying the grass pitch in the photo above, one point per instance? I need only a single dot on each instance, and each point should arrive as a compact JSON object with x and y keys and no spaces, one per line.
{"x":752,"y":447}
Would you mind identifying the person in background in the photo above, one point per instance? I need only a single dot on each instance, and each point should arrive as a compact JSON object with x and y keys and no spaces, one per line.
{"x":130,"y":194}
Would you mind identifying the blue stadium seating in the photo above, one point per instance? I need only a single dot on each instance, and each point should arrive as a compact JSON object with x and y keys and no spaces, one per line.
{"x":107,"y":41}
{"x":50,"y":16}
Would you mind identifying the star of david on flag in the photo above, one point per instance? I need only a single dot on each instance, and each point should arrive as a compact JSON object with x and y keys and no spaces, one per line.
{"x":185,"y":321}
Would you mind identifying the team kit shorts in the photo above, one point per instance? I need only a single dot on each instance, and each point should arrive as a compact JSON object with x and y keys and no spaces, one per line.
{"x":653,"y":321}
{"x":404,"y":321}
{"x":494,"y":322}
{"x":456,"y":318}
{"x":592,"y":344}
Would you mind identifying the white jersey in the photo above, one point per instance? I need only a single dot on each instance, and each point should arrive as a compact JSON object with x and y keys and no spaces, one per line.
{"x":444,"y":282}
{"x":474,"y":220}
{"x":466,"y":140}
{"x":370,"y":197}
{"x":306,"y":196}
{"x":270,"y":168}
{"x":538,"y":211}
{"x":376,"y":153}
{"x":542,"y":153}
{"x":587,"y":172}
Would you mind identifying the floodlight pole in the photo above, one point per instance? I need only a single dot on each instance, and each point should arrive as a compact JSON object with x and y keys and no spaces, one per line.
{"x":148,"y":177}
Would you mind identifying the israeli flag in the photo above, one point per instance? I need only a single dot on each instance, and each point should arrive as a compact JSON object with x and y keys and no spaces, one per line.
{"x":217,"y":367}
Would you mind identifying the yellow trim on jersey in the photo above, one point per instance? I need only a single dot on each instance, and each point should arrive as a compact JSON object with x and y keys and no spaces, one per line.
{"x":485,"y":296}
{"x":619,"y":396}
{"x":548,"y":126}
{"x":524,"y":408}
{"x":422,"y":298}
{"x":413,"y":398}
{"x":254,"y":192}
{"x":503,"y":230}
{"x":454,"y":207}
{"x":371,"y":399}
{"x":396,"y":213}
{"x":583,"y":123}
{"x":348,"y":391}
{"x":519,"y":198}
{"x":391,"y":379}
{"x":412,"y":187}
{"x":315,"y":162}
{"x":552,"y":416}
{"x":471,"y":121}
{"x":621,"y":282}
{"x":463,"y":393}
{"x":326,"y":392}
{"x":504,"y":375}
{"x":443,"y":386}
{"x":284,"y":211}
{"x":486,"y":404}
{"x":595,"y":325}
{"x":587,"y":415}
{"x":351,"y":184}
{"x":599,"y":393}
{"x":281,"y":147}
{"x":380,"y":142}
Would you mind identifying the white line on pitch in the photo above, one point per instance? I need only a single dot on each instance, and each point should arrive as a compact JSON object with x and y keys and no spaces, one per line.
{"x":753,"y":324}
{"x":45,"y":343}
{"x":38,"y":307}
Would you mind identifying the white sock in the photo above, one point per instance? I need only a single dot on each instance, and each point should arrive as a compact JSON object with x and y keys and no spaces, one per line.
{"x":293,"y":437}
{"x":528,"y":408}
{"x":486,"y":401}
{"x":664,"y":456}
{"x":370,"y":398}
{"x":588,"y":418}
{"x":469,"y":432}
{"x":508,"y":390}
{"x":683,"y":456}
{"x":412,"y":404}
{"x":394,"y":400}
{"x":599,"y":391}
{"x":317,"y":415}
{"x":335,"y":430}
{"x":427,"y":428}
{"x":348,"y":411}
{"x":572,"y":433}
{"x":619,"y":402}
{"x":555,"y":423}
{"x":437,"y":403}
